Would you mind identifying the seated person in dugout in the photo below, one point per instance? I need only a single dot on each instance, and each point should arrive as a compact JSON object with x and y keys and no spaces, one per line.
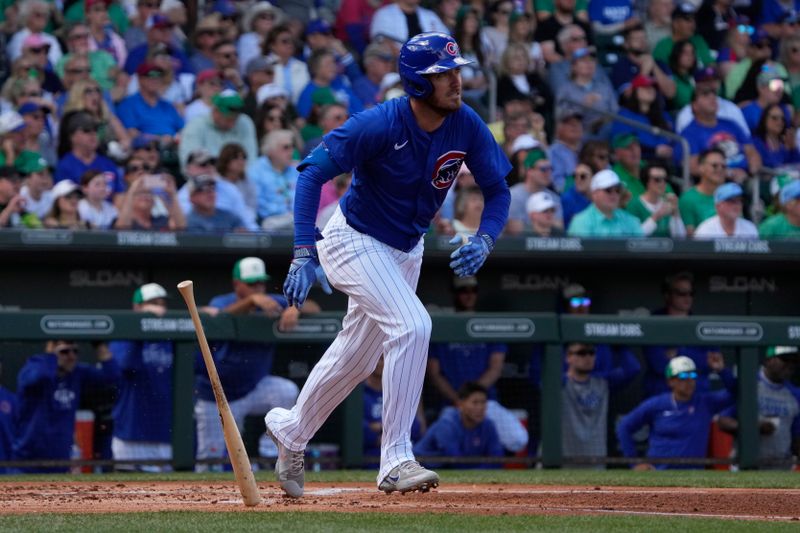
{"x":463,"y":432}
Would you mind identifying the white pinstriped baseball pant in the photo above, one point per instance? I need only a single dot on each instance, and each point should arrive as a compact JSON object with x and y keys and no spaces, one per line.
{"x":384,"y":316}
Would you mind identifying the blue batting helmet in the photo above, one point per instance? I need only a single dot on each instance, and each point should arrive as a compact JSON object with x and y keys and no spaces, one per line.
{"x":427,"y":53}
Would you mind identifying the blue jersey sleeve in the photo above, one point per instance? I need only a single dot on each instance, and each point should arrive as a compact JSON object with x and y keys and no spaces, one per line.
{"x":490,"y":166}
{"x":632,"y":422}
{"x":624,"y":373}
{"x":37,"y":371}
{"x":107,"y":374}
{"x":127,"y":354}
{"x":363,"y":136}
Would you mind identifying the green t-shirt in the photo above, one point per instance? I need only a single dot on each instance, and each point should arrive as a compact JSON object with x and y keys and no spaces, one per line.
{"x":116,"y":13}
{"x":640,"y":211}
{"x":664,"y":48}
{"x":684,"y":89}
{"x":631,"y":182}
{"x":778,"y":226}
{"x":696,"y":207}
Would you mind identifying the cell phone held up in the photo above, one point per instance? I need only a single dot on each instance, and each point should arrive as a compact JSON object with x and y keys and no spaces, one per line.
{"x":154,"y":181}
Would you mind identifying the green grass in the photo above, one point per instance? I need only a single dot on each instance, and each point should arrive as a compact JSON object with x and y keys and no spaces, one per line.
{"x":367,"y":522}
{"x":670,"y":478}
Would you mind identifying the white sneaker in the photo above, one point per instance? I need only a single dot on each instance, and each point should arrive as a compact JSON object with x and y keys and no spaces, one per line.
{"x":408,"y":477}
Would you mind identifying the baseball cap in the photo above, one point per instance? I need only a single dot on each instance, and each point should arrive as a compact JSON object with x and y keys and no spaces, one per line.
{"x":467,"y":282}
{"x":157,"y":20}
{"x":250,"y":270}
{"x":678,"y":365}
{"x":705,"y":74}
{"x":727,"y":191}
{"x":604,"y":179}
{"x":11,"y":121}
{"x":580,"y":53}
{"x":228,"y":102}
{"x":624,"y":140}
{"x":149,"y":70}
{"x":318,"y":26}
{"x":640,"y":80}
{"x":201,"y":182}
{"x":256,"y":9}
{"x":777,"y":351}
{"x":28,"y":162}
{"x":31,"y":107}
{"x":147,"y":292}
{"x":379,"y":51}
{"x":567,"y":112}
{"x":35,"y":40}
{"x":526,"y":141}
{"x":143,"y":141}
{"x":684,"y":10}
{"x":534,"y":156}
{"x":767,"y":74}
{"x":539,"y":202}
{"x":208,"y":23}
{"x":270,"y":90}
{"x":225,"y":8}
{"x":790,"y":191}
{"x":260,"y":64}
{"x":208,"y":74}
{"x":201,"y":156}
{"x":65,"y":187}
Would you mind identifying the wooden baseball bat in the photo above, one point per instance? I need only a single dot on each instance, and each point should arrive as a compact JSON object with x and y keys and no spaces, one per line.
{"x":233,"y":439}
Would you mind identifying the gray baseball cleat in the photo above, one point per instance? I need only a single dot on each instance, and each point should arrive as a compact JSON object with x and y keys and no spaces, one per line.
{"x":408,"y":477}
{"x":289,"y":468}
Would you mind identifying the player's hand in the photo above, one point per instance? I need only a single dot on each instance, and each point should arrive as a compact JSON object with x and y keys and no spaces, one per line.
{"x":716,"y":362}
{"x":289,"y":319}
{"x":304,"y":271}
{"x":469,"y":258}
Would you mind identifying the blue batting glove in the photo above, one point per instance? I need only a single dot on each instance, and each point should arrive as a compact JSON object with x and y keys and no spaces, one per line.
{"x":469,"y":258}
{"x":304,"y":271}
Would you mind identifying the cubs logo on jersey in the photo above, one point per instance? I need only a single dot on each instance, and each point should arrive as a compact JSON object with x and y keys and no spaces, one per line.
{"x":446,"y":168}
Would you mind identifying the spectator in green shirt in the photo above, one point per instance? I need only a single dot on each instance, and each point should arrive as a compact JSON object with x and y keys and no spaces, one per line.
{"x":697,"y":204}
{"x":656,"y":207}
{"x":604,"y":218}
{"x":786,"y":224}
{"x":628,"y":162}
{"x":684,"y":28}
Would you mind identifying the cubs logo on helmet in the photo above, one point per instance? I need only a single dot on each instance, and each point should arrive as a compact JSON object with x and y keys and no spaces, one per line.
{"x":451,"y":48}
{"x":446,"y":169}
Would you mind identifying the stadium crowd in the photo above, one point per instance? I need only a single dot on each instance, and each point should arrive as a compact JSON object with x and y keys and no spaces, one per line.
{"x":120,"y":114}
{"x":166,"y":115}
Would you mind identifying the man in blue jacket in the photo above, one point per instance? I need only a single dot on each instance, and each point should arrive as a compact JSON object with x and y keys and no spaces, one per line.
{"x":49,"y":389}
{"x":679,"y":420}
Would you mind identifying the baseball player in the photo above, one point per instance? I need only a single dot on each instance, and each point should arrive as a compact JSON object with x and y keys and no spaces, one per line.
{"x":143,"y":412}
{"x":404,"y":155}
{"x":244,"y":367}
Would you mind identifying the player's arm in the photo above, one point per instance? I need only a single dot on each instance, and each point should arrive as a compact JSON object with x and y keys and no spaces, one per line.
{"x":440,"y":382}
{"x":317,"y":168}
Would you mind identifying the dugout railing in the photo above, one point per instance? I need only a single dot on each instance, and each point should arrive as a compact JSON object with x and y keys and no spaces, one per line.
{"x":745,"y":335}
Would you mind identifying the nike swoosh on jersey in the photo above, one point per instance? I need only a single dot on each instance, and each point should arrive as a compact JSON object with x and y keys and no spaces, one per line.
{"x":399,"y":146}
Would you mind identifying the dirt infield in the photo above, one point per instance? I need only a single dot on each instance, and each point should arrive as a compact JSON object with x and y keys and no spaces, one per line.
{"x":489,"y":499}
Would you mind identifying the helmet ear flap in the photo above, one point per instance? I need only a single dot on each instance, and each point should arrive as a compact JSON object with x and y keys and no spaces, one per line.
{"x":417,"y":86}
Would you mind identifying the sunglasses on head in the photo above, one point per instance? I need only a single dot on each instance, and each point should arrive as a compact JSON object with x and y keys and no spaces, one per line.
{"x":580,"y":301}
{"x":686,"y":375}
{"x":583,"y":352}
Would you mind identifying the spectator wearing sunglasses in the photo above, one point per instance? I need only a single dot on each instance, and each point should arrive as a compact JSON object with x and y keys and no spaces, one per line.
{"x":585,"y":398}
{"x":697,"y":203}
{"x":657,"y":207}
{"x":103,"y":68}
{"x":103,"y":35}
{"x":159,"y":32}
{"x":49,"y":389}
{"x":275,"y":177}
{"x":34,"y":15}
{"x":728,"y":222}
{"x":146,"y":112}
{"x":207,"y":33}
{"x":678,"y":292}
{"x":786,"y":223}
{"x":78,"y":149}
{"x":679,"y":421}
{"x":604,"y":218}
{"x":538,"y":178}
{"x":770,"y":85}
